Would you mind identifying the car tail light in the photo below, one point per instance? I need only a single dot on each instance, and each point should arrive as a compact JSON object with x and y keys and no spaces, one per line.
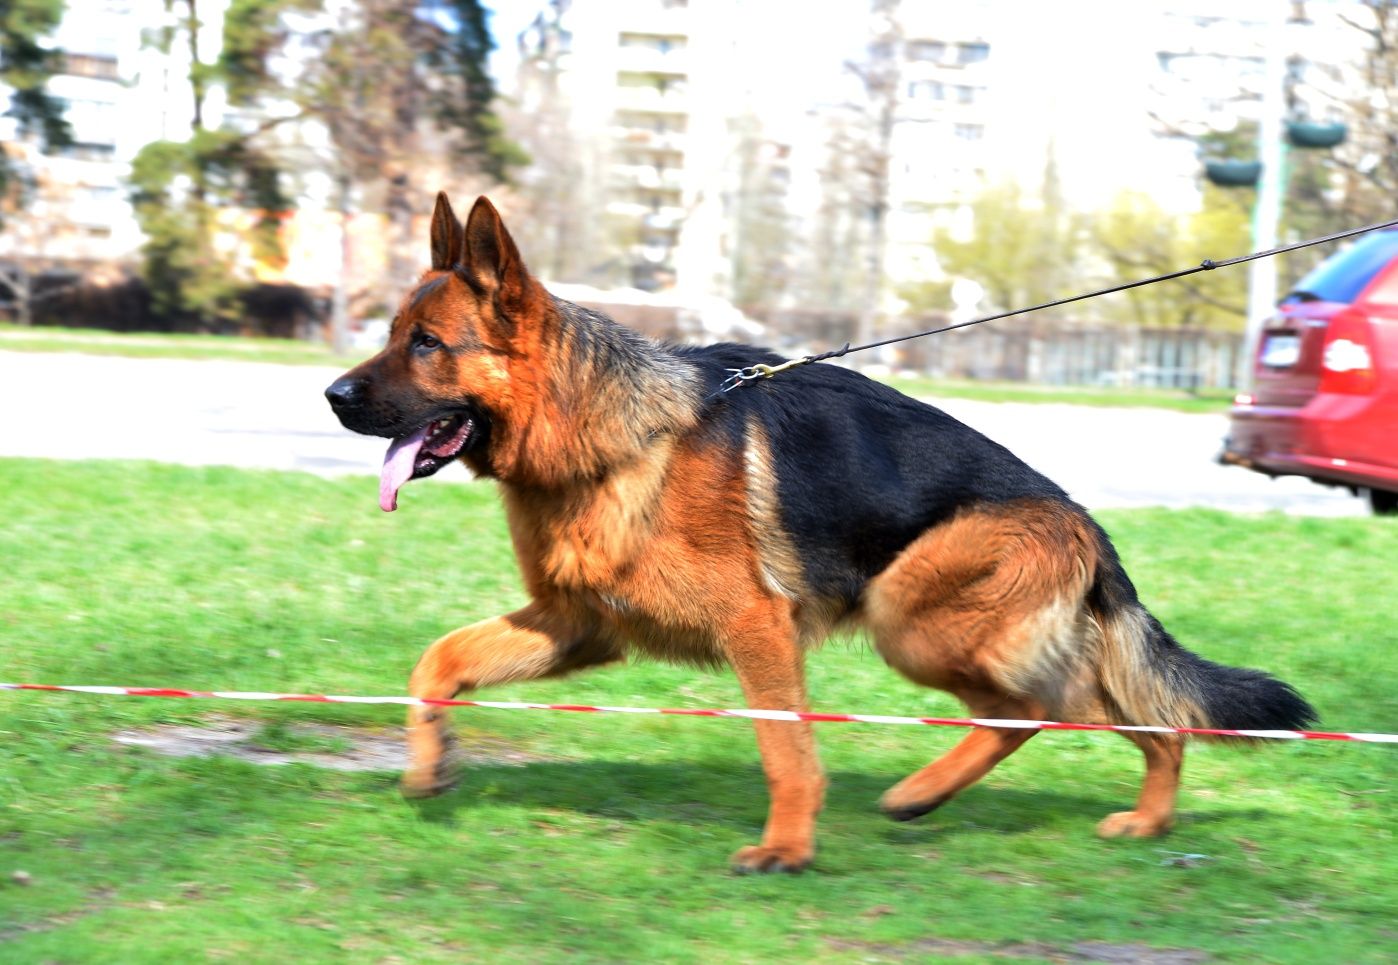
{"x":1347,"y":361}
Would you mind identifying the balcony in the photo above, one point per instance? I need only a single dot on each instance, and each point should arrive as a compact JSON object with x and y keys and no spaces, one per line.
{"x":628,"y":138}
{"x":650,"y":60}
{"x":652,"y":100}
{"x":647,"y":176}
{"x":660,"y":20}
{"x":668,"y":217}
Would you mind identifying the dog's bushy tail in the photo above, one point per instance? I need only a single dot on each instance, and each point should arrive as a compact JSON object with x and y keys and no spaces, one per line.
{"x":1151,"y":679}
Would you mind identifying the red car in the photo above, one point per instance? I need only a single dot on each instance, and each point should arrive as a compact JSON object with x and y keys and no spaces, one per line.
{"x":1324,"y":402}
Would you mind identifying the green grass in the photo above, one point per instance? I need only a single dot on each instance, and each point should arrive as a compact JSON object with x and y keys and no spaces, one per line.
{"x":163,"y":345}
{"x":612,"y":844}
{"x":1179,"y":400}
{"x":292,"y":352}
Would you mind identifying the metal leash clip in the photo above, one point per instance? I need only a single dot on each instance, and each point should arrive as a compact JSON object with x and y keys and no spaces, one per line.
{"x":739,"y":377}
{"x":758,"y":372}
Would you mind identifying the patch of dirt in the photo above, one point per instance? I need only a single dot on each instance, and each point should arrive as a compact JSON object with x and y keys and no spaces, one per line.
{"x":365,"y":749}
{"x":1108,"y":952}
{"x":101,"y":900}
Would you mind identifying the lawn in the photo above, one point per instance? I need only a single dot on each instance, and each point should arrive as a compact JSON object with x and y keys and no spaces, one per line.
{"x":165,"y":345}
{"x":1178,"y":400}
{"x":605,"y":838}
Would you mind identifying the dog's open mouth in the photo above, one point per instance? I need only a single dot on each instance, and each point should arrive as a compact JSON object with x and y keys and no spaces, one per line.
{"x":422,"y":453}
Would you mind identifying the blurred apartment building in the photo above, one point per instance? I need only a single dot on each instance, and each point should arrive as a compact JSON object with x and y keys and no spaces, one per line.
{"x":653,"y":99}
{"x":939,"y":152}
{"x":124,"y":76}
{"x":654,"y":102}
{"x":630,"y":102}
{"x":660,"y":162}
{"x":78,"y":211}
{"x":1211,"y":63}
{"x":121,"y":93}
{"x":1087,"y":99}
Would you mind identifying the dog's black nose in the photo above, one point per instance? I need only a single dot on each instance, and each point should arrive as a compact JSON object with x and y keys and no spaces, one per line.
{"x":345,"y":393}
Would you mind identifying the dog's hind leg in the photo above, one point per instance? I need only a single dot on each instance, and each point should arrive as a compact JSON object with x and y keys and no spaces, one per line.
{"x":527,"y":644}
{"x":966,"y":763}
{"x":1155,"y":807}
{"x":989,"y":607}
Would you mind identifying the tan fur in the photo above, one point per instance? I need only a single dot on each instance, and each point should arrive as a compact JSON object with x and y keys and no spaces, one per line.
{"x":777,"y":557}
{"x":992,"y":599}
{"x":780,"y":568}
{"x":1139,"y":694}
{"x":992,"y":606}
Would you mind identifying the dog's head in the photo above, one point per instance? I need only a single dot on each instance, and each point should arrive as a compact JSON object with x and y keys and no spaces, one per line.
{"x":444,"y":379}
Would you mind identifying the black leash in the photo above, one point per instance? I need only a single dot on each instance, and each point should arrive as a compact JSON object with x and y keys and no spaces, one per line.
{"x":756,"y":373}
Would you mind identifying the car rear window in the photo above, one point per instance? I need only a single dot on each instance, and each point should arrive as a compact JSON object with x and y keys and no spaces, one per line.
{"x":1341,"y":277}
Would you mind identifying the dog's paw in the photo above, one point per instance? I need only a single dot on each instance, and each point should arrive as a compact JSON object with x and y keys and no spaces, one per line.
{"x":907,"y":812}
{"x":423,"y":779}
{"x":763,"y":859}
{"x":419,"y":782}
{"x":1132,"y":824}
{"x":900,"y":806}
{"x":415,"y":785}
{"x":416,"y":789}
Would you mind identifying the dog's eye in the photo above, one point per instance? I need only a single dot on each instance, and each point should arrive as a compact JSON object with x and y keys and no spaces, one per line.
{"x":428,"y":342}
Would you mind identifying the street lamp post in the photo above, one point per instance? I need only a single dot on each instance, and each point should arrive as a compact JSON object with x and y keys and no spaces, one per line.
{"x":1271,"y":188}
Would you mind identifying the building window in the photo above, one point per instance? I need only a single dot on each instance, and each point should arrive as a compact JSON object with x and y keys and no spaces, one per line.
{"x":656,"y":122}
{"x":970,"y":132}
{"x":90,"y":65}
{"x":661,"y":43}
{"x":933,"y":50}
{"x":965,"y":94}
{"x":80,"y":151}
{"x":93,"y":121}
{"x":926,"y":90}
{"x":972,"y":53}
{"x":97,"y":192}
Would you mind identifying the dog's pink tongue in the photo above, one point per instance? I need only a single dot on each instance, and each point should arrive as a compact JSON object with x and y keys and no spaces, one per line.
{"x":398,"y":468}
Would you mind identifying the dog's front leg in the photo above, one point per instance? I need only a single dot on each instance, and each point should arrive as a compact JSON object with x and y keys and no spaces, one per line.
{"x":527,"y":644}
{"x":768,"y":662}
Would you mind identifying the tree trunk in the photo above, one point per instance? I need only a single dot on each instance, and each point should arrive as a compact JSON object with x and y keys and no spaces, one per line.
{"x":196,"y":78}
{"x":402,"y":265}
{"x":339,"y":305}
{"x":22,"y":288}
{"x":881,"y":85}
{"x":24,"y":298}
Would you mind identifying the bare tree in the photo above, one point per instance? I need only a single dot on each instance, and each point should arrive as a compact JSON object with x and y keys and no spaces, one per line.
{"x":401,"y":86}
{"x":830,"y":273}
{"x":879,"y":74}
{"x":1367,"y":161}
{"x":763,"y":238}
{"x":562,"y":231}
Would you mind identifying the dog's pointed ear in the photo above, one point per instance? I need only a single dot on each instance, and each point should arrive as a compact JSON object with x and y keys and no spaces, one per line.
{"x":448,"y":237}
{"x":491,"y":256}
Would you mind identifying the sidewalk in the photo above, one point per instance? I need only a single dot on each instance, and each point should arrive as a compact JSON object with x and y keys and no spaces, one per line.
{"x":249,"y":414}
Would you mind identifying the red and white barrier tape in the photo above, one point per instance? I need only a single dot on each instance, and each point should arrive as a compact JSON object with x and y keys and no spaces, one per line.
{"x":707,"y":712}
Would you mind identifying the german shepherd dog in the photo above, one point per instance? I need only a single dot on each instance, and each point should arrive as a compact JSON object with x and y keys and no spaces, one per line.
{"x":650,"y":513}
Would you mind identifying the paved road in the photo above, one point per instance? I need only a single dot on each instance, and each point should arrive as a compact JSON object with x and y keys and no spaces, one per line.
{"x":70,"y":406}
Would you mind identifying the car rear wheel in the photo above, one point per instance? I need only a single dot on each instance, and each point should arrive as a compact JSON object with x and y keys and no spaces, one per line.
{"x":1385,"y":503}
